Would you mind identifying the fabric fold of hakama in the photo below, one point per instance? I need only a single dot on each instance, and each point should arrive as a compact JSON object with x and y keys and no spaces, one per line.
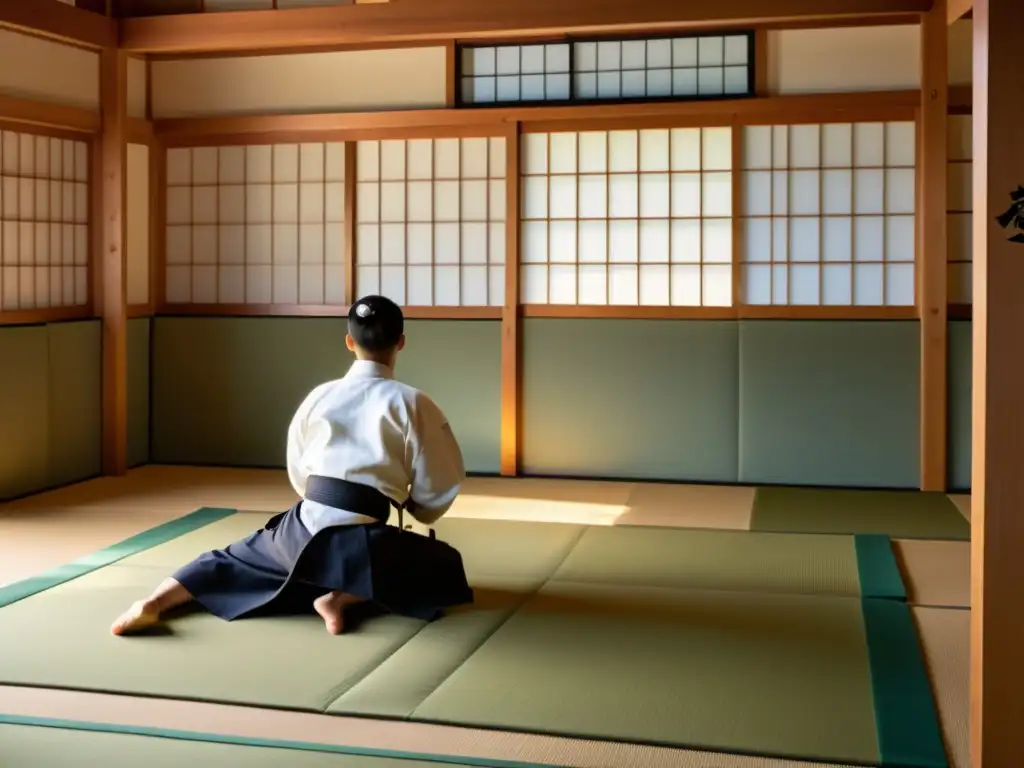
{"x":282,"y":568}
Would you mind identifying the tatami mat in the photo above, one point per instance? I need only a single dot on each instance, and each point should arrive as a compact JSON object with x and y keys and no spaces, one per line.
{"x":248,"y":722}
{"x":704,"y":559}
{"x":47,"y":530}
{"x":708,"y":670}
{"x":59,"y":526}
{"x":689,"y":506}
{"x":900,"y":514}
{"x":946,"y":639}
{"x":40,"y":747}
{"x":936,"y":573}
{"x":963,"y":503}
{"x":746,"y":623}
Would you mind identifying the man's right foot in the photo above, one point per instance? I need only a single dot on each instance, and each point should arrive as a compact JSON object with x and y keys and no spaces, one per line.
{"x":331,"y":608}
{"x":141,"y":616}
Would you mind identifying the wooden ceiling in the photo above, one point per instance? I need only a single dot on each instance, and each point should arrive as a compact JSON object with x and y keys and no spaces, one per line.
{"x":418,"y":20}
{"x":179,"y":26}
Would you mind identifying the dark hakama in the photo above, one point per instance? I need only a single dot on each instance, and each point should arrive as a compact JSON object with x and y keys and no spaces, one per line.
{"x":283,"y":568}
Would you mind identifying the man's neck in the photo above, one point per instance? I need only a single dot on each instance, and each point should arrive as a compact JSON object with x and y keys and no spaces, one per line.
{"x":387,"y":362}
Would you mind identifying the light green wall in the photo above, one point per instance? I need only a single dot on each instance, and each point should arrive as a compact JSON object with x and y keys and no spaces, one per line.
{"x":795,"y":402}
{"x":630,"y":398}
{"x":50,"y":406}
{"x":224,"y":389}
{"x":830,"y":403}
{"x":138,"y":391}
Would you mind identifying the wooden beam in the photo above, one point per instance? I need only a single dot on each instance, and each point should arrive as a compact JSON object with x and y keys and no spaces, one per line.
{"x":324,"y":310}
{"x":111,"y":259}
{"x":451,"y":76}
{"x":877,"y":106}
{"x":961,"y":99}
{"x":741,"y":312}
{"x":351,"y":214}
{"x":58,"y":21}
{"x":997,"y":524}
{"x":463,"y":19}
{"x":931,"y":221}
{"x":957,"y":9}
{"x":761,"y":62}
{"x":510,"y":313}
{"x":15,"y":110}
{"x":138,"y":131}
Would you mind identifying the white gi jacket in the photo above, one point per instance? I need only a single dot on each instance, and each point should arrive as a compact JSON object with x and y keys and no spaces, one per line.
{"x":369,"y":428}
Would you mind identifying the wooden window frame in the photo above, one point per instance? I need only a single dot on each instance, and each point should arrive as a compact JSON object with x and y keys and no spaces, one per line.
{"x":80,"y":129}
{"x":754,"y":43}
{"x":298,"y":136}
{"x":487,"y":122}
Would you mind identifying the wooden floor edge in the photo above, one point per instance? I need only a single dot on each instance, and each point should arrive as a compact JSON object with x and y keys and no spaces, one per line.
{"x":107,"y":712}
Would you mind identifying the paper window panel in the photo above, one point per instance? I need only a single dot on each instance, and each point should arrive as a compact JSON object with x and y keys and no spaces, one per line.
{"x":828,"y":214}
{"x":515,"y":73}
{"x":260,"y":224}
{"x":655,"y":68}
{"x":695,"y":67}
{"x":637,"y":218}
{"x":44,"y":222}
{"x":430,"y":221}
{"x":959,"y":206}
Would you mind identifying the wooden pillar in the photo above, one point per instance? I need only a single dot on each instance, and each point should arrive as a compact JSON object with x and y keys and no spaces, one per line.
{"x":510,"y":316}
{"x":112,"y":156}
{"x":932,"y":289}
{"x":997,"y":509}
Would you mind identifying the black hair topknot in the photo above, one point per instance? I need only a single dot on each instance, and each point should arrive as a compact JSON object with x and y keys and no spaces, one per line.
{"x":376,"y":323}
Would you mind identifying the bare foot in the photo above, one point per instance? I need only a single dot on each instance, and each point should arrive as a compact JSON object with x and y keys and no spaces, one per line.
{"x":142,"y":615}
{"x":331,"y":608}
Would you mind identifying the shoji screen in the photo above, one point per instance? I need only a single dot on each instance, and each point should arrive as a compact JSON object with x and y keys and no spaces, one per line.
{"x":430,"y":219}
{"x":959,"y":204}
{"x":627,"y":217}
{"x":689,"y":67}
{"x":829,"y":214}
{"x":256,"y":224}
{"x":44,"y":218}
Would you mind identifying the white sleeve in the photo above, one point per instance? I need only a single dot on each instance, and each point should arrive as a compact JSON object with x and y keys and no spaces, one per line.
{"x":297,"y":444}
{"x":438,"y":470}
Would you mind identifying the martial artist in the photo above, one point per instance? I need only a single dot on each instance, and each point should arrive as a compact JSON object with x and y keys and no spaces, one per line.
{"x":357,"y":447}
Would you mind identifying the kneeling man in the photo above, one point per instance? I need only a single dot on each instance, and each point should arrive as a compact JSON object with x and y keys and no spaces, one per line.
{"x":356,"y":447}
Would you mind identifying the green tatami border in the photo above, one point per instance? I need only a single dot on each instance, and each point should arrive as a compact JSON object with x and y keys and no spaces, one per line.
{"x":244,"y":741}
{"x":877,"y":570}
{"x":906,"y":715}
{"x":140,"y":542}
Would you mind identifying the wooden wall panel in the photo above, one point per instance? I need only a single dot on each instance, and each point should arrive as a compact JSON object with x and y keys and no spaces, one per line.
{"x":53,"y":73}
{"x":844,"y":60}
{"x":340,"y":81}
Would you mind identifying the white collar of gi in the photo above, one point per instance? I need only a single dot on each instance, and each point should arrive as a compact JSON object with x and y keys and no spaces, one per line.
{"x":367,"y":369}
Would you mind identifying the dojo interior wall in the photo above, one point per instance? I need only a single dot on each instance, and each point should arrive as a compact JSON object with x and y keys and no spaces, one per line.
{"x":793,"y":401}
{"x":809,"y":401}
{"x":49,"y":373}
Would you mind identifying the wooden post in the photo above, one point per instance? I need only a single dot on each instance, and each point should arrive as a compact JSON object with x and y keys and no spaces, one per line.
{"x":997,"y":508}
{"x":110,"y":258}
{"x":932,"y":289}
{"x":510,"y":318}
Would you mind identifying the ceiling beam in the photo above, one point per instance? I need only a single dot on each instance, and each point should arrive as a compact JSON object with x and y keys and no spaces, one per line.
{"x":957,"y":9}
{"x":52,"y":115}
{"x":58,"y":21}
{"x":413,"y":20}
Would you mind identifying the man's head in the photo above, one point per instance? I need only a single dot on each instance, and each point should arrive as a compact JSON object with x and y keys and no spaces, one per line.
{"x":376,"y":330}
